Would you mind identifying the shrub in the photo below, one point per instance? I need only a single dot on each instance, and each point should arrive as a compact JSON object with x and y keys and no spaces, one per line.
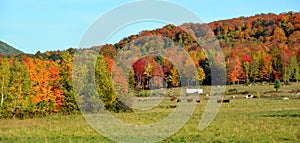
{"x":143,"y":94}
{"x":233,"y":91}
{"x":277,"y":85}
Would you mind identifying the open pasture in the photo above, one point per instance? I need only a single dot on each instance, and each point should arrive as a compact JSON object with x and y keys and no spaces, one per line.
{"x":265,"y":119}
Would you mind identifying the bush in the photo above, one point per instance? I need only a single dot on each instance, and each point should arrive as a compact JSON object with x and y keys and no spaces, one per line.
{"x":143,"y":94}
{"x":232,"y":91}
{"x":277,"y":85}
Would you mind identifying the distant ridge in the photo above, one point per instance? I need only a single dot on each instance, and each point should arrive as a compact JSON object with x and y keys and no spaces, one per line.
{"x":7,"y":49}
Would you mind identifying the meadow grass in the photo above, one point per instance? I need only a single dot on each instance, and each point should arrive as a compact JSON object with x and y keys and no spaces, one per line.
{"x":241,"y":120}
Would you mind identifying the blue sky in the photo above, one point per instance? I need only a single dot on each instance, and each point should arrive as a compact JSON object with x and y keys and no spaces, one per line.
{"x":35,"y":25}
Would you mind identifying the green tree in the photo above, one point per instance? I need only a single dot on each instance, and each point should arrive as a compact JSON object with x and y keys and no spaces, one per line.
{"x":277,"y":84}
{"x":131,"y":80}
{"x":70,"y":105}
{"x":254,"y":68}
{"x":286,"y":63}
{"x":104,"y":84}
{"x":246,"y":66}
{"x":295,"y":68}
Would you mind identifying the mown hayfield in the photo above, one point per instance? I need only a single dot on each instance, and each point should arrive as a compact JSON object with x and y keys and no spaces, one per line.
{"x":265,"y":119}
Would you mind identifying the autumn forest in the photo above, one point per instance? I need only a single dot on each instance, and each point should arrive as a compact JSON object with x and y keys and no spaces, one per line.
{"x":257,"y":49}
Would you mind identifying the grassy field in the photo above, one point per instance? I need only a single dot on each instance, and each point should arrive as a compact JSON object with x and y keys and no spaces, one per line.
{"x":265,"y":119}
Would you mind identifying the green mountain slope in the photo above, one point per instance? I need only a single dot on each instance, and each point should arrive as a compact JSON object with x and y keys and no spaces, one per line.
{"x":7,"y":49}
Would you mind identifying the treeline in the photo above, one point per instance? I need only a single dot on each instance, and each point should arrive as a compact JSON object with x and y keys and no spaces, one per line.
{"x":32,"y":86}
{"x":259,"y":48}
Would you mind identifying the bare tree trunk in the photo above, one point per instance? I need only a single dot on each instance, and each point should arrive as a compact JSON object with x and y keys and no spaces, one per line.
{"x":269,"y":78}
{"x":15,"y":107}
{"x":2,"y":94}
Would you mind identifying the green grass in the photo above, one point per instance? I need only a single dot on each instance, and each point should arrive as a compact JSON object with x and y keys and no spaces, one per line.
{"x":254,"y":120}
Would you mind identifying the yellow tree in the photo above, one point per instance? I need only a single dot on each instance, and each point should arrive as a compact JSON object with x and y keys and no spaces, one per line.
{"x":148,"y":73}
{"x":20,"y":89}
{"x":4,"y":77}
{"x":199,"y":75}
{"x":174,"y":77}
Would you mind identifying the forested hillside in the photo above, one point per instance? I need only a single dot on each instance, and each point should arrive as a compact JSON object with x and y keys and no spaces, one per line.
{"x":260,"y":48}
{"x":7,"y":49}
